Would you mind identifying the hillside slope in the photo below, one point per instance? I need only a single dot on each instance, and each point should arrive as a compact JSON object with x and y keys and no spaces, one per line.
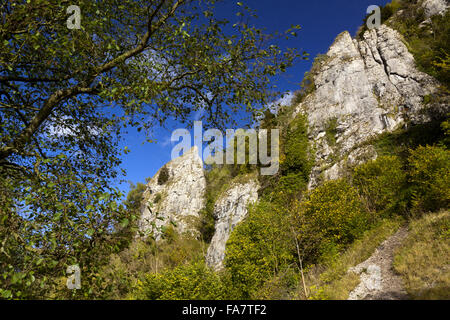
{"x":364,"y":149}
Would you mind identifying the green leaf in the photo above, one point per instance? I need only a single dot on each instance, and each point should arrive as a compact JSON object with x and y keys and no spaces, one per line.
{"x":57,"y":216}
{"x":124,"y":223}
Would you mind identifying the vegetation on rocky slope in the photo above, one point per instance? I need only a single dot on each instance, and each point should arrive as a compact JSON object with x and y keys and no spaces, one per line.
{"x":427,"y":39}
{"x":299,"y":244}
{"x":423,"y":261}
{"x":295,"y":243}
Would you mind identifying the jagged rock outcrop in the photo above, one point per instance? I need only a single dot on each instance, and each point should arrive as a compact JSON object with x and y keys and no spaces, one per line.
{"x":434,"y":7}
{"x":229,"y":210}
{"x":362,"y":89}
{"x":176,"y":198}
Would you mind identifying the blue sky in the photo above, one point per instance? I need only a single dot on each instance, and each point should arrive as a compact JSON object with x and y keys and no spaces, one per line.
{"x":321,"y":22}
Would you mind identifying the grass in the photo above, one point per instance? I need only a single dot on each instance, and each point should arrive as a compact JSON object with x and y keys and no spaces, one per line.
{"x":423,"y":261}
{"x":332,"y":281}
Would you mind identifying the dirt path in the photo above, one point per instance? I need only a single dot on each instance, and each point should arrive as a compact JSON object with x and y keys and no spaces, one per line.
{"x":378,"y":280}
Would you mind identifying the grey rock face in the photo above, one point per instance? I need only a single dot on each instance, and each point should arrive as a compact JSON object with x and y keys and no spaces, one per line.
{"x":434,"y":7}
{"x":363,"y":88}
{"x":179,"y":199}
{"x":229,"y":210}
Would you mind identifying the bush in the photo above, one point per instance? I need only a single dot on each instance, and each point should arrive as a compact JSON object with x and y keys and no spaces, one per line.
{"x":291,"y":185}
{"x":445,"y":125}
{"x":218,"y":180}
{"x":430,"y":178}
{"x":146,"y":256}
{"x":194,"y":281}
{"x":259,"y":248}
{"x":163,"y":176}
{"x":335,"y":214}
{"x":330,"y":131}
{"x":297,"y":156}
{"x":382,"y":183}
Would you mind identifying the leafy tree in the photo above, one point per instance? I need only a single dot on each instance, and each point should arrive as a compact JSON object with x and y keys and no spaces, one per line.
{"x":296,"y":148}
{"x":67,"y":94}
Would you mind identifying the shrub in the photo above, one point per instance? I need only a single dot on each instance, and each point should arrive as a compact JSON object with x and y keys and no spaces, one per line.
{"x":218,"y":180}
{"x":158,"y":198}
{"x":335,"y":214}
{"x":430,"y":178}
{"x":382,"y":183}
{"x":259,"y":248}
{"x":163,"y":176}
{"x":194,"y":281}
{"x":291,"y":185}
{"x":296,"y":148}
{"x":296,"y":157}
{"x":445,"y":125}
{"x":146,"y":256}
{"x":330,"y":131}
{"x":279,"y":287}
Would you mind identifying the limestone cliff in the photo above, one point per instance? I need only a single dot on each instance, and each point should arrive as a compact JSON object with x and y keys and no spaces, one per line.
{"x":433,"y":7}
{"x":362,"y":89}
{"x":177,"y":198}
{"x":229,"y":210}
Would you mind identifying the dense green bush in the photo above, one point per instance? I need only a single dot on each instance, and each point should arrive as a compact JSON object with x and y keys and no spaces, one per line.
{"x":259,"y":247}
{"x":216,"y":178}
{"x":296,"y":150}
{"x":264,"y":246}
{"x":382,"y":183}
{"x":296,"y":155}
{"x":290,"y":185}
{"x":445,"y":125}
{"x":429,"y":168}
{"x":193,"y":281}
{"x":163,"y":176}
{"x":336,"y":215}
